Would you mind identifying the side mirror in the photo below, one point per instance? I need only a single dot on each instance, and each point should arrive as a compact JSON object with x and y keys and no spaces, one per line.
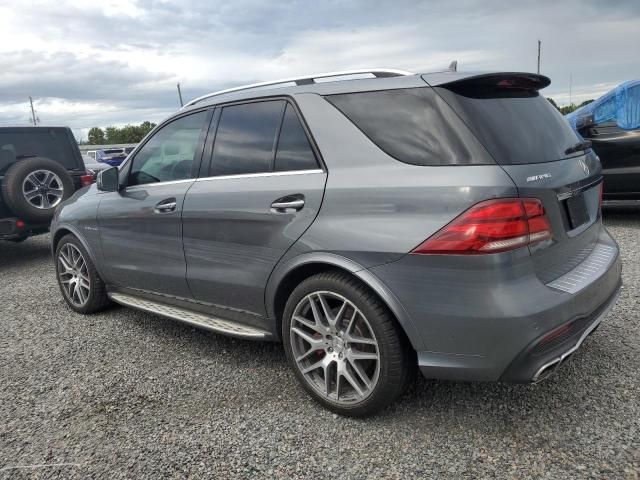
{"x":108,"y":180}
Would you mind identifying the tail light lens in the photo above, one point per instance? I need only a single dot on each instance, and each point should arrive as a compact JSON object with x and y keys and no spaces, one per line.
{"x":490,"y":227}
{"x":601,"y":189}
{"x":86,"y":180}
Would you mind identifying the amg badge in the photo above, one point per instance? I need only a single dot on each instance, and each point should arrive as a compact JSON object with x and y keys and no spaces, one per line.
{"x":535,"y":178}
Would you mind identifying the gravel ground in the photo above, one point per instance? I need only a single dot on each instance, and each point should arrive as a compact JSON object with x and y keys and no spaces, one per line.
{"x":128,"y":394}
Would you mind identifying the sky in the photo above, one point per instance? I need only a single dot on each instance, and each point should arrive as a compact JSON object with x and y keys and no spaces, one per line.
{"x":114,"y":62}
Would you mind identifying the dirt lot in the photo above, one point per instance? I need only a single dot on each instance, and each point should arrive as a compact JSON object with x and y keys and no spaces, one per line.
{"x":129,"y":394}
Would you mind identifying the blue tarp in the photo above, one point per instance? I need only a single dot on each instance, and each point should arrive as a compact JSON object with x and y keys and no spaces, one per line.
{"x":622,"y":105}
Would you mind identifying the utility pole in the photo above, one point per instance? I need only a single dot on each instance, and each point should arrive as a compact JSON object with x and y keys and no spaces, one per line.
{"x":570,"y":82}
{"x":33,"y":112}
{"x":180,"y":96}
{"x":539,"y":47}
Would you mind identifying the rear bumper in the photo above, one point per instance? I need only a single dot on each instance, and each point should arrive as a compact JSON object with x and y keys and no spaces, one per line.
{"x":541,"y":358}
{"x":11,"y":229}
{"x":481,"y":322}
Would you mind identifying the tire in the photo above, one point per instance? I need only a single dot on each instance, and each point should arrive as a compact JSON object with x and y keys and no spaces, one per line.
{"x":47,"y":181}
{"x":81,"y":286}
{"x":388,"y":376}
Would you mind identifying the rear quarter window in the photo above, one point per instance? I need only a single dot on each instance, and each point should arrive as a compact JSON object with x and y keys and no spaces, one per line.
{"x":413,"y":125}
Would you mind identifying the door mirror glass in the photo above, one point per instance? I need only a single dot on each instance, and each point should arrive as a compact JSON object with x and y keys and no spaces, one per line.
{"x":108,"y":180}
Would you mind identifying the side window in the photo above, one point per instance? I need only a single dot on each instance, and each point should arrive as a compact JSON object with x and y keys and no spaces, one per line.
{"x":169,"y":154}
{"x":245,"y":139}
{"x":294,"y":151}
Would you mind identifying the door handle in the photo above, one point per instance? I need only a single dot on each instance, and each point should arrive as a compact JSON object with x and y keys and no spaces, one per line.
{"x":166,"y":206}
{"x":293,"y":202}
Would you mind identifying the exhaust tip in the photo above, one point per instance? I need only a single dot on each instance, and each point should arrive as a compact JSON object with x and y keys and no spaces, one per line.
{"x":546,"y":370}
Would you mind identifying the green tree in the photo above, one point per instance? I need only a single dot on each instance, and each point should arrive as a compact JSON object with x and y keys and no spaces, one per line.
{"x":126,"y":134}
{"x":96,"y":136}
{"x":112,"y":135}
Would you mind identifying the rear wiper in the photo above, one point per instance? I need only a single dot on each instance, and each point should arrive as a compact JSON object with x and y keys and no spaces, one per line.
{"x":578,"y":147}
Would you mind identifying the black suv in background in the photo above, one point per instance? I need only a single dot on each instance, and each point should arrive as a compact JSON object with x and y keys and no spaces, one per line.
{"x":39,"y":168}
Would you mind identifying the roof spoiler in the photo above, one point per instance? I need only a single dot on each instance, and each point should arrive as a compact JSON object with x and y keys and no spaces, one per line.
{"x":499,"y":80}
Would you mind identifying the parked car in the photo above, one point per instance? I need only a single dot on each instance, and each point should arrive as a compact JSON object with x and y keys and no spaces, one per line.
{"x":373,"y":226}
{"x":612,"y":125}
{"x":92,"y":166}
{"x":111,"y":156}
{"x":39,"y":168}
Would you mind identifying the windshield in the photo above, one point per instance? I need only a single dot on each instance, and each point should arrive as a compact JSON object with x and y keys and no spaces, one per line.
{"x":516,"y":127}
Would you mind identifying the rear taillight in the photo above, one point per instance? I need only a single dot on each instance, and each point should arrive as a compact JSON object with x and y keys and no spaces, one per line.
{"x":600,"y":190}
{"x":490,"y":227}
{"x":86,"y":180}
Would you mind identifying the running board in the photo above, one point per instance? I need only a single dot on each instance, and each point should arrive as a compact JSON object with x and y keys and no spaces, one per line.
{"x":187,"y":316}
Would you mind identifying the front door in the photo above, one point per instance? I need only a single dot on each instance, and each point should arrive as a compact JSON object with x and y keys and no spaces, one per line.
{"x":140,"y":226}
{"x":263,"y":189}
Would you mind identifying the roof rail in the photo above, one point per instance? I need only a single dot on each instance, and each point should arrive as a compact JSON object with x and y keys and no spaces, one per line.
{"x":306,"y":80}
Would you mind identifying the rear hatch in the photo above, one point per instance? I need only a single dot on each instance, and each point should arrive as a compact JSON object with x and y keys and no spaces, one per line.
{"x":542,"y":154}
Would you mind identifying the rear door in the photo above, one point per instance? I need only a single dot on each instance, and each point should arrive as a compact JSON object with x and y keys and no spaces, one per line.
{"x":538,"y":149}
{"x":140,"y":226}
{"x":261,"y":191}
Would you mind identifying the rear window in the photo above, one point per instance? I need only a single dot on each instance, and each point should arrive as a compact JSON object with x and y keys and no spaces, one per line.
{"x":413,"y":125}
{"x":51,"y":143}
{"x":516,"y":126}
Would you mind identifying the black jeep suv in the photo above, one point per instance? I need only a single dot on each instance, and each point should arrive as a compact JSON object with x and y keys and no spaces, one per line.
{"x":39,"y":168}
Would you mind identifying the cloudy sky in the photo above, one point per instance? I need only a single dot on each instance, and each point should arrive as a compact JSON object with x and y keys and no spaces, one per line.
{"x":113,"y":62}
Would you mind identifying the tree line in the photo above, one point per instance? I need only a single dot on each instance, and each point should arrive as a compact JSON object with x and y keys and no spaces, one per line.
{"x":115,"y":135}
{"x":568,"y":108}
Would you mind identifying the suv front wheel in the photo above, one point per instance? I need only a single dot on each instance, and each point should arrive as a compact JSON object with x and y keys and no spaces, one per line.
{"x":344,"y":346}
{"x":81,"y":286}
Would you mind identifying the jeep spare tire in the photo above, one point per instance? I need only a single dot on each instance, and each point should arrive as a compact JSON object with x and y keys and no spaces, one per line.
{"x":32,"y":188}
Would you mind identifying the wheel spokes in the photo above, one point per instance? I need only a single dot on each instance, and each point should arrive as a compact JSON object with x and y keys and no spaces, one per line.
{"x":73,"y":274}
{"x":334,"y":347}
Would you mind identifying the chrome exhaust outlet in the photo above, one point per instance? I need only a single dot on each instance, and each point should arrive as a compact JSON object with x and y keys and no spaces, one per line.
{"x":546,"y":370}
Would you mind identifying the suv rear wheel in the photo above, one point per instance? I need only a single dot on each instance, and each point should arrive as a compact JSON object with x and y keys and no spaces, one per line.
{"x":81,"y":286}
{"x":344,"y":346}
{"x":34,"y":187}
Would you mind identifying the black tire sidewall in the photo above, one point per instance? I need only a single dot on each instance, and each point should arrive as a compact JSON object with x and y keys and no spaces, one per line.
{"x":12,"y":187}
{"x":389,"y":385}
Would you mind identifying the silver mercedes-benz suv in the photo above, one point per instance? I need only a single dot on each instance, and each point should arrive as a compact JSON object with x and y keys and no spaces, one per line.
{"x":373,"y":221}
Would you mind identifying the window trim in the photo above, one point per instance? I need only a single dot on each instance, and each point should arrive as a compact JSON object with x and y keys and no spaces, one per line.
{"x":261,"y":174}
{"x":125,"y":168}
{"x":207,"y":160}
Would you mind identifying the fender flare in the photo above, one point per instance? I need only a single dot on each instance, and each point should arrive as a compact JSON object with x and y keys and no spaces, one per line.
{"x":76,"y":233}
{"x":366,"y":276}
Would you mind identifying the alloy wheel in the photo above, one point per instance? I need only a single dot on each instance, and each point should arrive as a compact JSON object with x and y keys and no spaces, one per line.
{"x":43,"y":189}
{"x":73,"y":274}
{"x":334,"y":347}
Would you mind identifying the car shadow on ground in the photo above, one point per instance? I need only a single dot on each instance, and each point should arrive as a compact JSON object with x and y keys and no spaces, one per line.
{"x":476,"y":402}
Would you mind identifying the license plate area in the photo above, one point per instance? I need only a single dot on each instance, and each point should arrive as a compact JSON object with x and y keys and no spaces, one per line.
{"x":577,"y":212}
